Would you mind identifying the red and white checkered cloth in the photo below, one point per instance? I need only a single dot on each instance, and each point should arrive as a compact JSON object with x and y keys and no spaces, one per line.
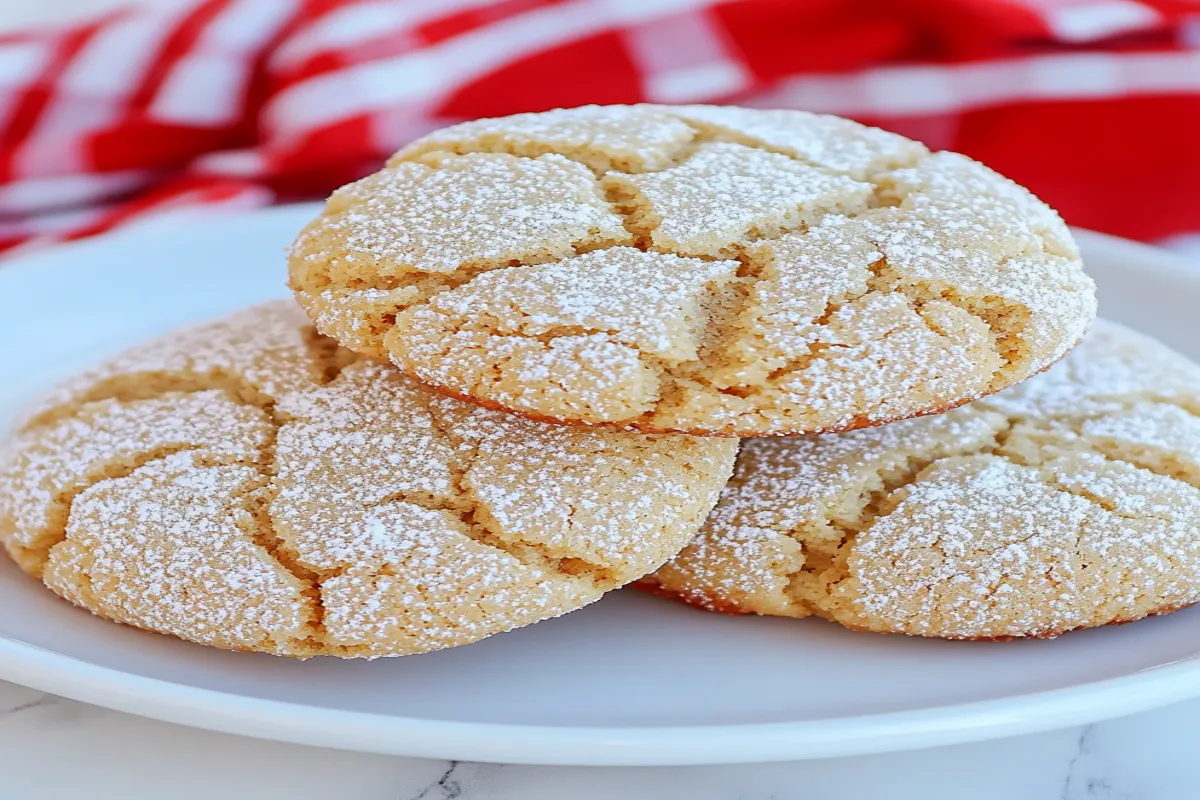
{"x":1094,"y":104}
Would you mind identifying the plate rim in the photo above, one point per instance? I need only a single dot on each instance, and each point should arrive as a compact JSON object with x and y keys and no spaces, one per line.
{"x":548,"y":745}
{"x":180,"y":703}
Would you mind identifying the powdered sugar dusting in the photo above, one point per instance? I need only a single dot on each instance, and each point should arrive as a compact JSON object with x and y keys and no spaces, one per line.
{"x":650,"y":301}
{"x":475,"y":210}
{"x":616,"y":501}
{"x":911,"y":360}
{"x":48,"y":465}
{"x":162,"y":549}
{"x":626,"y":138}
{"x":201,"y":356}
{"x":1069,"y":501}
{"x":989,"y":287}
{"x":725,"y":192}
{"x":962,"y":231}
{"x":794,"y":498}
{"x":826,"y":141}
{"x":803,"y":275}
{"x":618,"y":313}
{"x":358,"y":516}
{"x":1105,"y":373}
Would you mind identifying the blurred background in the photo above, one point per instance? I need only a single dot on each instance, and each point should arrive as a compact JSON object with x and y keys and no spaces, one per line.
{"x":113,"y":113}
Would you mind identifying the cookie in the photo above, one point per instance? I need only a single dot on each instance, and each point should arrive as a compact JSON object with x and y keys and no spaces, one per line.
{"x":710,"y":270}
{"x":1069,"y":501}
{"x":248,"y":485}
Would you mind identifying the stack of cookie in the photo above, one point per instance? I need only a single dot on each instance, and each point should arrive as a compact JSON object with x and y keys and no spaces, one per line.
{"x":535,"y":343}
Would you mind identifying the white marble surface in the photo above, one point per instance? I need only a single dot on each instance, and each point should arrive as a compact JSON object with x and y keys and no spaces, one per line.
{"x":56,"y":748}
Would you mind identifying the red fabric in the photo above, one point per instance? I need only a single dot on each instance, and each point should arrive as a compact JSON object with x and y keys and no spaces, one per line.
{"x":1094,"y":104}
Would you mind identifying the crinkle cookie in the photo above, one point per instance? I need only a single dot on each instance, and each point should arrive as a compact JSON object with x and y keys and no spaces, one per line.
{"x":1069,"y":501}
{"x":711,"y":270}
{"x":248,"y":485}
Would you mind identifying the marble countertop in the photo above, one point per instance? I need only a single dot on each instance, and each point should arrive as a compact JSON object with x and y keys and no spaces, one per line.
{"x":56,"y":748}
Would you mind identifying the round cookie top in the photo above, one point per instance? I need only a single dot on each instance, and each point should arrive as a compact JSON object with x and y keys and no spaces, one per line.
{"x":1069,"y":501}
{"x":712,"y":270}
{"x":248,"y":485}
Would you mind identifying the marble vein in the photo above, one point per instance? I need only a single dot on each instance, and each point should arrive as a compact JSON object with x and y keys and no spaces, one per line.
{"x":444,"y":788}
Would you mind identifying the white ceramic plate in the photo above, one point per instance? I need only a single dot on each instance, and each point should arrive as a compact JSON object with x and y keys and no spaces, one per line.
{"x":630,"y":680}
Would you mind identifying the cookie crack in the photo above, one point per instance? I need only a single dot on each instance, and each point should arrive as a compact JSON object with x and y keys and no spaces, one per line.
{"x":1007,"y":328}
{"x":823,"y":350}
{"x":133,"y":387}
{"x":1006,"y":321}
{"x":1135,"y":461}
{"x":254,"y":519}
{"x":63,"y":502}
{"x":1002,"y":318}
{"x":816,"y":350}
{"x":258,"y":524}
{"x":471,"y":513}
{"x":601,"y":164}
{"x":326,"y":357}
{"x":709,"y":133}
{"x":872,"y":506}
{"x":666,"y":370}
{"x":1076,"y":424}
{"x":672,"y":375}
{"x":419,"y":287}
{"x":754,"y":270}
{"x":635,"y":210}
{"x":992,"y":587}
{"x":595,"y":160}
{"x":1055,"y":483}
{"x":640,"y":220}
{"x":1104,"y":503}
{"x":1041,"y":420}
